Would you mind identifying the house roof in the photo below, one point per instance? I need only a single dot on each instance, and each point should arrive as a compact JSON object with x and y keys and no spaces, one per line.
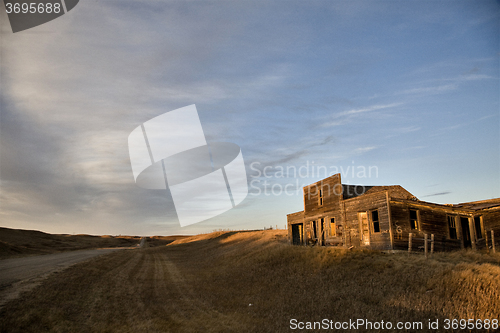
{"x":478,"y":205}
{"x":353,"y":191}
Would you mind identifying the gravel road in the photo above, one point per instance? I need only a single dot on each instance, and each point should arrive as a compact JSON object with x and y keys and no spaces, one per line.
{"x":22,"y":274}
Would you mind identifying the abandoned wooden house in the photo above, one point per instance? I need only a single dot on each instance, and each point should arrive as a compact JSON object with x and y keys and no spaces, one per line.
{"x":382,"y":217}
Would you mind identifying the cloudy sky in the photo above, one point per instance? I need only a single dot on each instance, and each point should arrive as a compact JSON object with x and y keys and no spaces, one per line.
{"x":406,"y":89}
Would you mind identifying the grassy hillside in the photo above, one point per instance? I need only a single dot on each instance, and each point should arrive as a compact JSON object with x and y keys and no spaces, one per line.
{"x":256,"y":282}
{"x":16,"y":242}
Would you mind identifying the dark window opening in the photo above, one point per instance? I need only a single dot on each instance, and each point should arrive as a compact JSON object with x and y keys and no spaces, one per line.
{"x":453,"y":227}
{"x":315,"y":230}
{"x":413,"y":219}
{"x":375,"y":221}
{"x":321,"y":197}
{"x":477,"y":223}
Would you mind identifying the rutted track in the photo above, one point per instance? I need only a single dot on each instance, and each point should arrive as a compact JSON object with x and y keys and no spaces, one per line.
{"x":189,"y":306}
{"x":126,"y":291}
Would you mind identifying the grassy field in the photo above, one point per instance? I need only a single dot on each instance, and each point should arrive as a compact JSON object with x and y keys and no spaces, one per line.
{"x":15,"y":242}
{"x":255,"y":282}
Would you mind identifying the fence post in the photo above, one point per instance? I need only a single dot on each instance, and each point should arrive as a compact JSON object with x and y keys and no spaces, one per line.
{"x":409,"y":243}
{"x":493,"y":241}
{"x":432,"y":244}
{"x":425,"y":245}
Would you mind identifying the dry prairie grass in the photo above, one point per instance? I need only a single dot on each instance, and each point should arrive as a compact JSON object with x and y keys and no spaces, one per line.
{"x":254,"y":282}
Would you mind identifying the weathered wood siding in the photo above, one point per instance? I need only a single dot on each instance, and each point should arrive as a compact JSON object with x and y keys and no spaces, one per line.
{"x":491,"y":221}
{"x":294,"y":218}
{"x":314,"y":210}
{"x":431,"y":220}
{"x":368,"y":203}
{"x":331,"y":188}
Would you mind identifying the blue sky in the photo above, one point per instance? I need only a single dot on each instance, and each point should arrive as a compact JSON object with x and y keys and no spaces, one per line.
{"x":408,"y":87}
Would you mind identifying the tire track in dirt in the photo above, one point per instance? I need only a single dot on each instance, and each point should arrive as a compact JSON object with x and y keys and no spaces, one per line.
{"x":113,"y":288}
{"x":141,"y":290}
{"x":181,"y":299}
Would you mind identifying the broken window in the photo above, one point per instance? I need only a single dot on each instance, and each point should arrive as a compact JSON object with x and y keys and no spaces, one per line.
{"x":333,"y":231}
{"x":375,"y":221}
{"x":320,"y":197}
{"x":413,"y":219}
{"x":477,"y":223}
{"x":452,"y":226}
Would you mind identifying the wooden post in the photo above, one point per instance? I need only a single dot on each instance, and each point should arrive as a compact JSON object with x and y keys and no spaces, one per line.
{"x":493,"y":241}
{"x":409,"y":243}
{"x":432,"y":244}
{"x":304,"y":234}
{"x":486,"y":241}
{"x":425,"y":245}
{"x":472,"y":233}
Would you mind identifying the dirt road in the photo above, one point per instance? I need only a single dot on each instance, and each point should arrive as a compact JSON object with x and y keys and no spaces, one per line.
{"x":142,"y":290}
{"x":21,"y":274}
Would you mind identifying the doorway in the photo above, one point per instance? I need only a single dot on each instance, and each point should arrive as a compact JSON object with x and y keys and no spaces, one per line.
{"x":364,"y":228}
{"x":464,"y":223}
{"x":322,"y":232}
{"x":297,"y":234}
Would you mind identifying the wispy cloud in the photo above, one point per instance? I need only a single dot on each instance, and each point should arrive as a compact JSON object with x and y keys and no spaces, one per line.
{"x":463,"y":124}
{"x":370,"y":108}
{"x":436,"y":194}
{"x":432,"y":86}
{"x":428,"y":90}
{"x":348,"y":115}
{"x":408,"y":129}
{"x":362,"y":150}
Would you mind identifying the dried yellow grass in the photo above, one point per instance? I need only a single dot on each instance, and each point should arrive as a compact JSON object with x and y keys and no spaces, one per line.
{"x":255,"y":282}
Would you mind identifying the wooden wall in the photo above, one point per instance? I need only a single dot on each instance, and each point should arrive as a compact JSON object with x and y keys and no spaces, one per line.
{"x":367,"y":203}
{"x":331,"y":188}
{"x":491,"y":221}
{"x":293,"y":218}
{"x":332,"y":192}
{"x":433,"y":220}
